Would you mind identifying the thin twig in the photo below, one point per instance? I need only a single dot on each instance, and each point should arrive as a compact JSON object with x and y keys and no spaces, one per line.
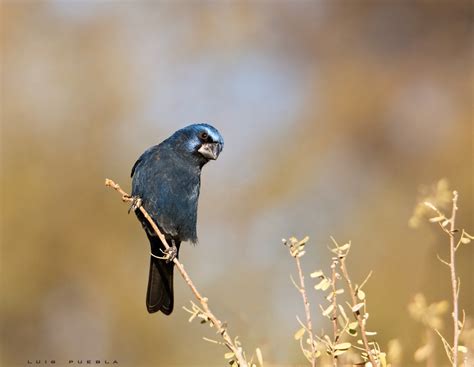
{"x":454,"y":282}
{"x":202,"y":300}
{"x":335,"y":328}
{"x":443,"y":261}
{"x":360,"y":320}
{"x":309,"y":325}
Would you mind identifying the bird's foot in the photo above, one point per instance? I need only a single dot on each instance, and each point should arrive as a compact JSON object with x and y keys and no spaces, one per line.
{"x":169,"y":254}
{"x":136,"y":203}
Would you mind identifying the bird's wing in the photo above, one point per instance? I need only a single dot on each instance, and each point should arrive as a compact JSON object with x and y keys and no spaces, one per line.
{"x":146,"y":154}
{"x":136,"y":165}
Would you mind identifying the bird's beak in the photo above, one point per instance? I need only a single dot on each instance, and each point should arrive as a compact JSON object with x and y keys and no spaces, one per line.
{"x":210,"y":150}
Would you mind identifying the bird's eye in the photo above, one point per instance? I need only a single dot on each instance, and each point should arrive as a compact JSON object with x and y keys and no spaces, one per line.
{"x":203,"y":135}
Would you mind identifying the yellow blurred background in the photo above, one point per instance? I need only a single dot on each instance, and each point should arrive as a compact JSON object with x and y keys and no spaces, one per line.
{"x":333,"y":114}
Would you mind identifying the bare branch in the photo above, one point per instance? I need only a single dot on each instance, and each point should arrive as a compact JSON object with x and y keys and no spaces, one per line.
{"x":443,"y":261}
{"x":219,"y":325}
{"x":447,"y":347}
{"x":365,"y":280}
{"x":294,"y":283}
{"x":296,"y":249}
{"x":360,"y":320}
{"x":454,"y":280}
{"x":335,"y":327}
{"x":307,"y":311}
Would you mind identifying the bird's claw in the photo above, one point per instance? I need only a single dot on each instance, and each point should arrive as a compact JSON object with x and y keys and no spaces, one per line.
{"x":136,"y":203}
{"x":170,"y":253}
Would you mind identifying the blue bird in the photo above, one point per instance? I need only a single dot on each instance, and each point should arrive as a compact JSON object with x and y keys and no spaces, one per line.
{"x":167,"y":178}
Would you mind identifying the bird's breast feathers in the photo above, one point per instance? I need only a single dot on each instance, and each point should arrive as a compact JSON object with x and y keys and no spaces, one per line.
{"x":171,"y":199}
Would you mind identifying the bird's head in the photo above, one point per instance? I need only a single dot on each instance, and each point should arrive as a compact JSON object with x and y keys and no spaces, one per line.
{"x":202,"y":141}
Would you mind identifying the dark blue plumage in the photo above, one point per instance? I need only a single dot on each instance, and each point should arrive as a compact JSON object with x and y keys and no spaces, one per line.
{"x":167,"y":179}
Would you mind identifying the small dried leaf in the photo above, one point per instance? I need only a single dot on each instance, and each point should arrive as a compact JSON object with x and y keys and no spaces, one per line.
{"x":303,"y":241}
{"x":317,"y":274}
{"x":361,"y":294}
{"x":229,"y":355}
{"x":429,"y":205}
{"x":308,"y":354}
{"x":345,"y":247}
{"x":323,"y":284}
{"x":352,"y":332}
{"x":468,"y":235}
{"x":371,"y":333}
{"x":343,"y":346}
{"x":259,"y":356}
{"x":328,"y":310}
{"x":465,"y":240}
{"x":462,"y":349}
{"x":353,"y":325}
{"x":299,"y":334}
{"x":328,"y":339}
{"x":357,"y":307}
{"x":437,"y":219}
{"x":341,"y":321}
{"x":352,"y":328}
{"x":343,"y":312}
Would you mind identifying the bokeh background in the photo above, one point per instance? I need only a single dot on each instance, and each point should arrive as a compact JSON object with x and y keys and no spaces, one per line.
{"x":333,"y":113}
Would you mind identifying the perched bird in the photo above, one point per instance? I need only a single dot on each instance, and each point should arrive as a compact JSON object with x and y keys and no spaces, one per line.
{"x":166,"y":179}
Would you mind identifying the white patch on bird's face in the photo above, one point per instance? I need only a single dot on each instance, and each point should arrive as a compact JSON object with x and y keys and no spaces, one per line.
{"x":194,"y":142}
{"x":215,"y":136}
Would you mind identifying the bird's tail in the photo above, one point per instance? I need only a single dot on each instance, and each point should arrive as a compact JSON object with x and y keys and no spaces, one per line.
{"x":159,"y":295}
